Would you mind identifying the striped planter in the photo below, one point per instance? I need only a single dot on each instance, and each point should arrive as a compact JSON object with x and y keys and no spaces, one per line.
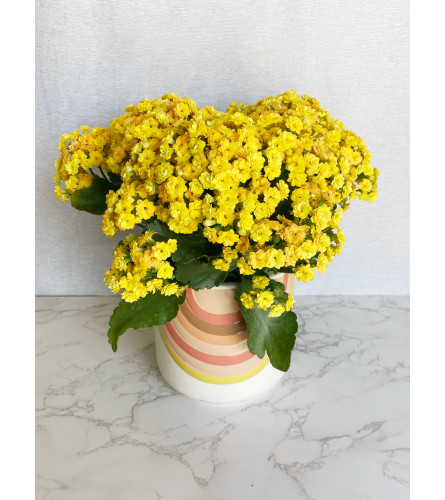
{"x":203,"y":352}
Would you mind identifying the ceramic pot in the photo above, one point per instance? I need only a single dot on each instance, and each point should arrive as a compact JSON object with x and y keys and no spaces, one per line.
{"x":203,"y":352}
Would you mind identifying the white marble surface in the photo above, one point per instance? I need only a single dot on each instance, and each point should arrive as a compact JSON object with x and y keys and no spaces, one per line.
{"x":109,"y":427}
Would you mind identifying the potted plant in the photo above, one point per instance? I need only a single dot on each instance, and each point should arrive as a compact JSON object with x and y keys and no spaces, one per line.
{"x":228,"y":208}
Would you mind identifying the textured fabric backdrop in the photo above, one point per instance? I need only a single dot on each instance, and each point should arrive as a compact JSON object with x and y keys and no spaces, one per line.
{"x":95,"y":57}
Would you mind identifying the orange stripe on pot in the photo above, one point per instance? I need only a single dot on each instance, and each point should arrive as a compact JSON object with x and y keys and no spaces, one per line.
{"x":213,"y":334}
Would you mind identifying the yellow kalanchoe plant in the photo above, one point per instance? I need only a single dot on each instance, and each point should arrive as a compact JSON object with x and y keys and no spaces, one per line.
{"x":220,"y":196}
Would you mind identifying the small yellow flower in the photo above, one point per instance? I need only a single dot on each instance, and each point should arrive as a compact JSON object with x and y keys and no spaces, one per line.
{"x":338,"y":181}
{"x":182,"y":109}
{"x":196,"y":187}
{"x":165,"y":270}
{"x":307,"y":250}
{"x":154,"y":285}
{"x":229,"y":254}
{"x":365,"y":185}
{"x":260,"y":282}
{"x":372,"y":196}
{"x":145,"y":237}
{"x":246,"y":221}
{"x":284,"y":189}
{"x":301,"y":209}
{"x":129,"y":296}
{"x":337,"y":217}
{"x":62,"y":195}
{"x":264,"y":300}
{"x":290,"y":302}
{"x":341,"y":236}
{"x":170,"y":289}
{"x":126,"y":221}
{"x":244,"y":267}
{"x":294,"y":123}
{"x":322,"y":216}
{"x":96,"y":158}
{"x":261,"y":211}
{"x":272,"y":197}
{"x":85,"y":180}
{"x":221,"y":264}
{"x":275,"y":258}
{"x":225,"y":216}
{"x":247,"y":301}
{"x":162,"y":250}
{"x":260,"y":233}
{"x":322,"y":263}
{"x":304,"y":273}
{"x":276,"y":311}
{"x":145,"y":209}
{"x":227,"y":238}
{"x":111,"y":281}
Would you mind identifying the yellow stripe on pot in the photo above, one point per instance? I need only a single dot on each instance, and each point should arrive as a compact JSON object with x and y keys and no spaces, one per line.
{"x":209,"y":378}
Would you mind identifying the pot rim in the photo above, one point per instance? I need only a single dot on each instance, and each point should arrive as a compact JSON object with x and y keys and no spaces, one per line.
{"x":231,"y":285}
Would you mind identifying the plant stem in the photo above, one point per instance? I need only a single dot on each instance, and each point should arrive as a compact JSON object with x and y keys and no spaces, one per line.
{"x":103,"y":173}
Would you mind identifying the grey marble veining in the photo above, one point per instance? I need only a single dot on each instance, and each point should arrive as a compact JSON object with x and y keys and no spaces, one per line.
{"x":337,"y":428}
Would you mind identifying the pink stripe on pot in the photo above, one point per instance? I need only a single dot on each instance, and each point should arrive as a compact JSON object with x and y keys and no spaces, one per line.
{"x":285,"y":281}
{"x":217,"y":319}
{"x":229,"y":329}
{"x":210,"y":369}
{"x":205,"y":357}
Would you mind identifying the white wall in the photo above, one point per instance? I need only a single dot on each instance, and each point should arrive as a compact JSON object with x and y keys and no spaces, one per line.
{"x":95,"y":57}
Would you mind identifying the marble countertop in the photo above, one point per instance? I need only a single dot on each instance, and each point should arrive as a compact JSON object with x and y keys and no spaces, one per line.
{"x":337,"y":428}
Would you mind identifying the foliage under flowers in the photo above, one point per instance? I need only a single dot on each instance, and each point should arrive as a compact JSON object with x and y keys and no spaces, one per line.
{"x":268,"y":332}
{"x":220,"y":196}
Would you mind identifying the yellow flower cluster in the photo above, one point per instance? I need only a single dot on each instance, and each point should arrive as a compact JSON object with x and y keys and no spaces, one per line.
{"x":269,"y":182}
{"x":140,"y":266}
{"x":80,"y":152}
{"x":265,"y":297}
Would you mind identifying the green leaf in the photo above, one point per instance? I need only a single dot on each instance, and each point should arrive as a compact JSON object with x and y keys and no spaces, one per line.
{"x":233,"y":274}
{"x":276,"y":285}
{"x":151,"y":310}
{"x":284,"y":208}
{"x":190,"y":246}
{"x":92,"y":199}
{"x":163,"y":232}
{"x":276,"y":336}
{"x":285,"y":269}
{"x":288,"y":269}
{"x":199,"y":274}
{"x":115,"y":179}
